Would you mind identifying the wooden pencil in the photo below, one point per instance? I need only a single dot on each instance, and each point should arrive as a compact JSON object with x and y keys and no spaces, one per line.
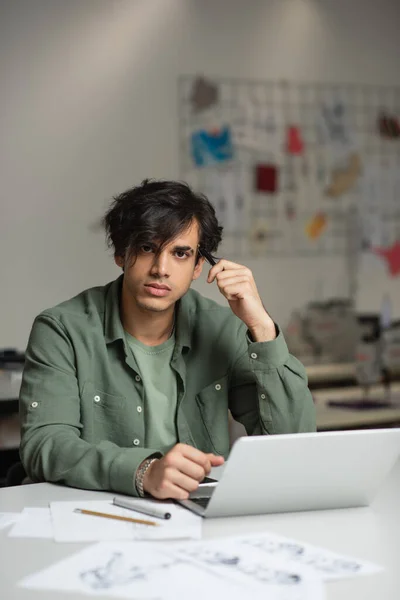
{"x":94,"y":513}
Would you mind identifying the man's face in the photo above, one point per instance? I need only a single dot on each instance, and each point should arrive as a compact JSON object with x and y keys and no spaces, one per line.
{"x":155,"y":281}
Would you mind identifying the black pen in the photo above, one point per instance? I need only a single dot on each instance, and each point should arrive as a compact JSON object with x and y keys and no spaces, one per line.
{"x":138,"y":506}
{"x":209,"y":258}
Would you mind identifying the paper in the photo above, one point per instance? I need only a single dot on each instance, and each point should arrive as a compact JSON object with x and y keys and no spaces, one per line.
{"x":250,"y":567}
{"x":33,"y":523}
{"x":8,"y":518}
{"x":129,"y":570}
{"x":74,"y":527}
{"x":329,"y":565}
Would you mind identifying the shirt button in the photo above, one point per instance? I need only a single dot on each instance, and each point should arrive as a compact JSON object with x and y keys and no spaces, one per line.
{"x":137,"y":378}
{"x":34,"y":404}
{"x":96,"y":398}
{"x":262,"y":396}
{"x":253,"y":355}
{"x":218,"y":387}
{"x":136,"y":442}
{"x":139,"y":409}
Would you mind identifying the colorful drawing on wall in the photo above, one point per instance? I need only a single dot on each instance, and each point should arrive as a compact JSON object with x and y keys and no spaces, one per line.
{"x":266,"y":178}
{"x":294,"y":140}
{"x":204,"y":94}
{"x":392,"y":257}
{"x":343,"y":179}
{"x":316,"y":226}
{"x":210,"y":148}
{"x":388,"y":126}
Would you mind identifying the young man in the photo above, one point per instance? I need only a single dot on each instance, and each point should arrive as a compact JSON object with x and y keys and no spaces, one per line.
{"x":127,"y":387}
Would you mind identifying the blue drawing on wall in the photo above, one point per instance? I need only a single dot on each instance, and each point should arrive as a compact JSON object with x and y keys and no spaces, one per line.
{"x":212,"y":148}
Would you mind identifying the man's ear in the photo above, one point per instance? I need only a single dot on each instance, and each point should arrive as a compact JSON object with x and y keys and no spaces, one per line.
{"x":119,"y":261}
{"x":198,"y":268}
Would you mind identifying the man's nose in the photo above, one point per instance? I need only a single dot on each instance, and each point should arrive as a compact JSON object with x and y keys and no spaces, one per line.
{"x":160,"y":266}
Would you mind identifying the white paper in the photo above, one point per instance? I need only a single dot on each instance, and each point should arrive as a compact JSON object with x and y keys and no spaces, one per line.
{"x":8,"y":518}
{"x":33,"y":523}
{"x":74,"y":527}
{"x":251,"y":568}
{"x":150,"y":572}
{"x":326,"y":564}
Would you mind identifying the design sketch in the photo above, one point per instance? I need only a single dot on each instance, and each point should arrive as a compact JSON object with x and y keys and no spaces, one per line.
{"x":255,"y":570}
{"x":118,"y":571}
{"x":320,"y":560}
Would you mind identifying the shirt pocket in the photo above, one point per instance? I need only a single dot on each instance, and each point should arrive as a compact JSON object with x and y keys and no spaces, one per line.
{"x":212,"y":402}
{"x":105,"y":412}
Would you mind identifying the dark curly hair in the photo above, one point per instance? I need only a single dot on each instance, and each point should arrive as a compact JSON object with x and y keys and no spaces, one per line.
{"x":158,"y":211}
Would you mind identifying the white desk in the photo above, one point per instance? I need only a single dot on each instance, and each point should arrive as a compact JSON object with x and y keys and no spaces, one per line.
{"x":369,"y":533}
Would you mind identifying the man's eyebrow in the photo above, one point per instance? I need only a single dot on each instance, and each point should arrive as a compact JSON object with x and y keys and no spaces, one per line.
{"x":183,"y":249}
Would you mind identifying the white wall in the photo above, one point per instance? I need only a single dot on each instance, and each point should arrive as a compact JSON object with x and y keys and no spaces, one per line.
{"x":88,"y":108}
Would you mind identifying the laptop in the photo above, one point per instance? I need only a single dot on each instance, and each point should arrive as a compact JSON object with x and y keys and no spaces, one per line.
{"x":297,"y":472}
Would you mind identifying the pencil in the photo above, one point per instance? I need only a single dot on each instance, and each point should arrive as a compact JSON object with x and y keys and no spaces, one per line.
{"x":94,"y":513}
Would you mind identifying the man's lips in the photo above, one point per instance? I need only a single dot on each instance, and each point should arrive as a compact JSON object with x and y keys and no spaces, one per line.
{"x":157,"y":289}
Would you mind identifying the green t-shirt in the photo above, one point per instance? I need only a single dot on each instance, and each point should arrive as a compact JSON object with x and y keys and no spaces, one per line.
{"x":160,"y":392}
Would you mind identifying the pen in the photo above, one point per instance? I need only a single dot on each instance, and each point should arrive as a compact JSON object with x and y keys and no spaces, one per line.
{"x":138,"y":506}
{"x":94,"y":513}
{"x":209,"y":258}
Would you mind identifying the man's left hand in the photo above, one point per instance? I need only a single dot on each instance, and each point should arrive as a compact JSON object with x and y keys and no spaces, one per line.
{"x":236,"y":283}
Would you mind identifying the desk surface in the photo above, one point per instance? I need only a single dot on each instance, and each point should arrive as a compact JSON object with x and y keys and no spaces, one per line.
{"x":367,"y":533}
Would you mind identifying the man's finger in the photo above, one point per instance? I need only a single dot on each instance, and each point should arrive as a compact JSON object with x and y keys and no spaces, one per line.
{"x":195,"y":455}
{"x":215,"y":460}
{"x":222,"y":265}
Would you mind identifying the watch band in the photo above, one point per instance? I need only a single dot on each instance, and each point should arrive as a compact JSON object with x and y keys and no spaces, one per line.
{"x":140,"y":473}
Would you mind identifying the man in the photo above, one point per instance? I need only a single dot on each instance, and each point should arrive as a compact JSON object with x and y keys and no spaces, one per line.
{"x":127,"y":387}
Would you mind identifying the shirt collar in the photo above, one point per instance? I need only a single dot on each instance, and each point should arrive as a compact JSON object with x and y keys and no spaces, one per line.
{"x":113,"y":329}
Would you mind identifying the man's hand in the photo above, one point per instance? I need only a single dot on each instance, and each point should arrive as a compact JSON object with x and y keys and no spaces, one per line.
{"x":179,"y":472}
{"x":236,"y":283}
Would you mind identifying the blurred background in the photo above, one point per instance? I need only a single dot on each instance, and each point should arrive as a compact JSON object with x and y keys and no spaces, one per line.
{"x":286,"y":113}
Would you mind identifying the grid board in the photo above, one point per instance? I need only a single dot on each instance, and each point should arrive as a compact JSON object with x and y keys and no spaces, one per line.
{"x":259,"y":115}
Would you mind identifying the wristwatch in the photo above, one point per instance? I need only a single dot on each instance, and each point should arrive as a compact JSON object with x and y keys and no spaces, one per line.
{"x":140,"y":473}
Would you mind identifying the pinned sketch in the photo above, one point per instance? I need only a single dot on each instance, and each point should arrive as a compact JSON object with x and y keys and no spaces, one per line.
{"x":294,"y":140}
{"x":378,"y":201}
{"x":210,"y":148}
{"x":256,"y":128}
{"x":388,"y":126}
{"x":392,"y":257}
{"x":316,"y":226}
{"x":261,"y":237}
{"x":266,"y":178}
{"x":204,"y":94}
{"x":225,"y":187}
{"x":344,"y":178}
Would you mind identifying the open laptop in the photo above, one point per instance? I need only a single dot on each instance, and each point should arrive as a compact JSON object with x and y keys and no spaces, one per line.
{"x":303,"y":471}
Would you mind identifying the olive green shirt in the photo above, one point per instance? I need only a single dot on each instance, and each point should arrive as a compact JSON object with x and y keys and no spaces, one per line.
{"x":160,"y":392}
{"x":81,"y":388}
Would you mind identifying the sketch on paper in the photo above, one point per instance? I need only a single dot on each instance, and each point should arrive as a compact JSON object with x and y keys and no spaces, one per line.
{"x":328,"y":564}
{"x":255,"y":570}
{"x":119,"y":571}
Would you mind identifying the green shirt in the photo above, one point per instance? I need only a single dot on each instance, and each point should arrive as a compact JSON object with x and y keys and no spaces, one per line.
{"x":81,"y":388}
{"x":158,"y":408}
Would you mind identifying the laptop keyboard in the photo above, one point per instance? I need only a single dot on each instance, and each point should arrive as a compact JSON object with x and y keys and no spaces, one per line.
{"x":201,"y":501}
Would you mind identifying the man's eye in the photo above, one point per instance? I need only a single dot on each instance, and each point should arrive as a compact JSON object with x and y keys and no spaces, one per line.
{"x":146,"y":248}
{"x":181,"y":254}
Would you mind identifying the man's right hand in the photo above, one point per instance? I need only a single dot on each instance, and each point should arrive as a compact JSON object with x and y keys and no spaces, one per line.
{"x":179,"y":472}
